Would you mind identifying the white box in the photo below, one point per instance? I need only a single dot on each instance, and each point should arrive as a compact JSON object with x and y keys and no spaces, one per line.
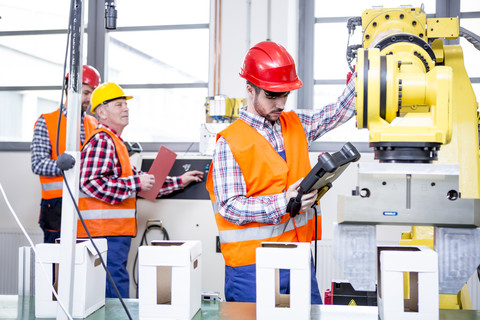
{"x":170,"y":280}
{"x":422,"y":263}
{"x":271,"y":257}
{"x":89,"y":278}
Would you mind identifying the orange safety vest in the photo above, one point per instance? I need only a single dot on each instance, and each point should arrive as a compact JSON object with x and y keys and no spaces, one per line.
{"x":104,"y":219}
{"x":52,"y":186}
{"x":265,"y":173}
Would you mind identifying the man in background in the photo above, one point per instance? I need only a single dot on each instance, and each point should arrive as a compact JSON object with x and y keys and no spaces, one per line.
{"x":109,"y":184}
{"x":44,"y":153}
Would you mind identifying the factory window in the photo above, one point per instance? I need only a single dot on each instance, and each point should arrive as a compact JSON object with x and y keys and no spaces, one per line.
{"x":470,"y":53}
{"x":34,"y":15}
{"x":32,"y":47}
{"x":160,"y":56}
{"x":330,"y":42}
{"x":158,"y":53}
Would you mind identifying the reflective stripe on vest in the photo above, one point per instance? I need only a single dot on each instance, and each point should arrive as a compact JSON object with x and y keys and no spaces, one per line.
{"x":265,"y":232}
{"x":265,"y":173}
{"x":119,"y":213}
{"x":52,"y":187}
{"x":104,"y":219}
{"x":49,"y":186}
{"x":108,"y":214}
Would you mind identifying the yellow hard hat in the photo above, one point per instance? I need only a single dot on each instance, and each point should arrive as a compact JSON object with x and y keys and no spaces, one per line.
{"x":105,"y":93}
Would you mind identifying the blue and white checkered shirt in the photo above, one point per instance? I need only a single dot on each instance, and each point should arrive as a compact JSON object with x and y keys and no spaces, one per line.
{"x":229,"y":185}
{"x":41,"y":148}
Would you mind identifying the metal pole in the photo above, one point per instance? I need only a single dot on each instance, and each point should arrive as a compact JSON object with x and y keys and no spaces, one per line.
{"x":269,"y":20}
{"x":96,"y":48}
{"x":305,"y":53}
{"x":68,"y":233}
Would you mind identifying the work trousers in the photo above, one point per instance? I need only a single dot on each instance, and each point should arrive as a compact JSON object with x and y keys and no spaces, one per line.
{"x":50,"y":219}
{"x":117,"y":256}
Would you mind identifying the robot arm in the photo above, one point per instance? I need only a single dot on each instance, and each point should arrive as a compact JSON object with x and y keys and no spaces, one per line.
{"x":404,"y":92}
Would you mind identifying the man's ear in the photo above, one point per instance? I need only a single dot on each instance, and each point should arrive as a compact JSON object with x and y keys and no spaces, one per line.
{"x":100,"y":112}
{"x":250,"y":90}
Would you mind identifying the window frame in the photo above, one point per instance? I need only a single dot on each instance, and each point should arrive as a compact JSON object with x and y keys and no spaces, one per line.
{"x":97,"y":42}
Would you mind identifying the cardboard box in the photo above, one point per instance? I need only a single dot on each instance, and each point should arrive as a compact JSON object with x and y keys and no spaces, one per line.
{"x":423,"y":300}
{"x":170,"y":276}
{"x":89,"y":278}
{"x":271,"y":257}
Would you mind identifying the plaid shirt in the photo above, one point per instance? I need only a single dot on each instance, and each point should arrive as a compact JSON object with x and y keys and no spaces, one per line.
{"x":41,"y":148}
{"x":100,"y":172}
{"x":229,"y":185}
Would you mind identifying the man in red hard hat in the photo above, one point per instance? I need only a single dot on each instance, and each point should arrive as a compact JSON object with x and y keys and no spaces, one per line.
{"x":258,"y":163}
{"x":44,"y":154}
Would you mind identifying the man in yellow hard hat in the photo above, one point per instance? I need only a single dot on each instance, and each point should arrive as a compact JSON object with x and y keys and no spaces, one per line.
{"x":109,"y":183}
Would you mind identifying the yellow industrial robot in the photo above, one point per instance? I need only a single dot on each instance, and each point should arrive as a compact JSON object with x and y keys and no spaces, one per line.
{"x":414,"y":94}
{"x":416,"y":100}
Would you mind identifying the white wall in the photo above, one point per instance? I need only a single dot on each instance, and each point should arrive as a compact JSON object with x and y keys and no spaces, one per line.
{"x":22,"y":188}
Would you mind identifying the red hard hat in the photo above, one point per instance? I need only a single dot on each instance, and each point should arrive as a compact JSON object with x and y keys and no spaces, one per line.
{"x":269,"y":66}
{"x":90,"y":76}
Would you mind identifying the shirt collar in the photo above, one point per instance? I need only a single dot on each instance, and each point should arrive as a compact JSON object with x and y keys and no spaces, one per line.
{"x":256,"y":121}
{"x":101,"y":125}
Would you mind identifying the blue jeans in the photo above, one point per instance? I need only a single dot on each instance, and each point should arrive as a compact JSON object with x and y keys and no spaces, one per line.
{"x":117,"y":255}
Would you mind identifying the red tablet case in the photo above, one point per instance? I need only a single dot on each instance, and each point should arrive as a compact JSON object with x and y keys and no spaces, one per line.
{"x":160,"y":168}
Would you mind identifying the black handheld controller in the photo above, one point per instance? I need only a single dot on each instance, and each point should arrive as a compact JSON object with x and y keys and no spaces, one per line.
{"x":328,"y":168}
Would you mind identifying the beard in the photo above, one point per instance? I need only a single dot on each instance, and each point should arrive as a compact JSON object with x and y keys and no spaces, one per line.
{"x":85,"y":106}
{"x":270,"y":116}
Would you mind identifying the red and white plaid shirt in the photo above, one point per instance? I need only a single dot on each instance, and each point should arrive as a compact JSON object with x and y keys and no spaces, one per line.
{"x":100,"y":172}
{"x":229,"y":185}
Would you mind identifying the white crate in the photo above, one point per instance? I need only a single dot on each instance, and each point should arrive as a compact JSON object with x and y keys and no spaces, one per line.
{"x":271,"y":304}
{"x":89,"y":281}
{"x":170,"y":276}
{"x":396,"y":260}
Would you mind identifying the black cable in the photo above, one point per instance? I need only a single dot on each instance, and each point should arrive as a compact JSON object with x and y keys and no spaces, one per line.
{"x":96,"y":249}
{"x":351,"y":50}
{"x":470,"y":37}
{"x":316,"y":232}
{"x":293,"y":207}
{"x":142,"y":242}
